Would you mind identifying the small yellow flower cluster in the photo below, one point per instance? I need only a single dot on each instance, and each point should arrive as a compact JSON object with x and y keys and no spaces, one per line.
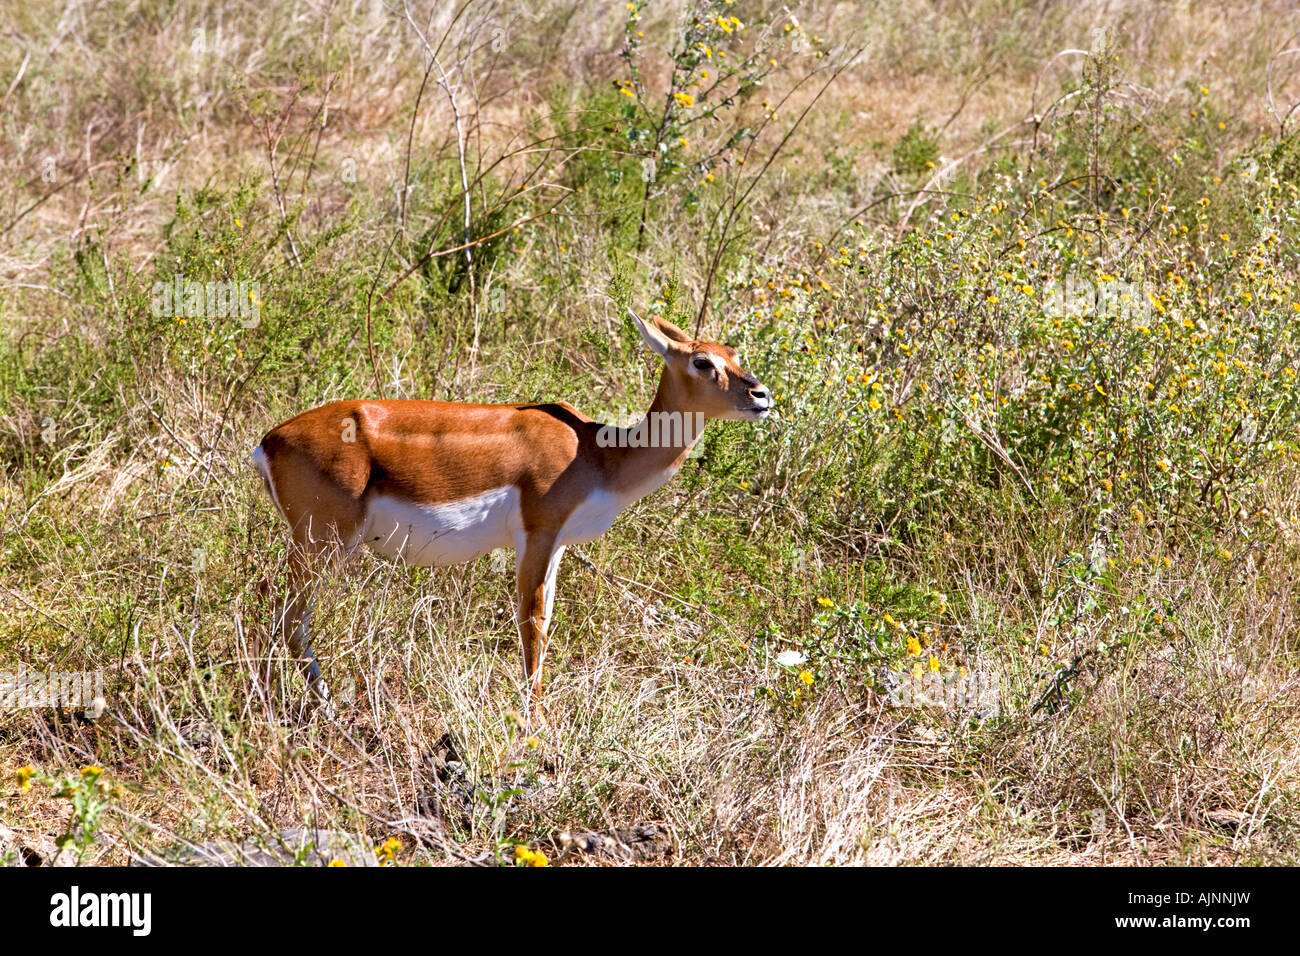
{"x":387,"y":850}
{"x":526,"y":857}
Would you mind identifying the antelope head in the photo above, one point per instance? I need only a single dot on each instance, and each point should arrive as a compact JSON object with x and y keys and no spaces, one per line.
{"x":702,"y":376}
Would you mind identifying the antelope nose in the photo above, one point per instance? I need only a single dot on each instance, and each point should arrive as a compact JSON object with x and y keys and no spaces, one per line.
{"x":759,"y":393}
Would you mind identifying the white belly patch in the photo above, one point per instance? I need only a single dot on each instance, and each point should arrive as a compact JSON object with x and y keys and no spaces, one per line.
{"x":590,"y":519}
{"x":451,"y":532}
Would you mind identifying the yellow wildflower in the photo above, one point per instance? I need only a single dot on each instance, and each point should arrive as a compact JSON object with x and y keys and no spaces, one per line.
{"x":526,"y":857}
{"x":387,"y":850}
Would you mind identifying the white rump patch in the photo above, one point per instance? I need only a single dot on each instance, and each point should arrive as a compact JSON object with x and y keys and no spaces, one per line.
{"x":451,"y":532}
{"x":264,"y":469}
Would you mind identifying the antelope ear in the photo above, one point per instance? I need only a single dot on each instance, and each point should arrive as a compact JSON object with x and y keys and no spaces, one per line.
{"x":650,"y":332}
{"x":672,"y":331}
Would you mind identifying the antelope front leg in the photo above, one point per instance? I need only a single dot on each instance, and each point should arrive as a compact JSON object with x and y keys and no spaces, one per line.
{"x":538,"y":562}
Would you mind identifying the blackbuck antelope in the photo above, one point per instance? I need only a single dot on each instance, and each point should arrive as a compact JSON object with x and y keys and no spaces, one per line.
{"x":438,"y":483}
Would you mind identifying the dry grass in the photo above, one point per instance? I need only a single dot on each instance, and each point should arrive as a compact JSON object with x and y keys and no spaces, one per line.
{"x":1181,"y":752}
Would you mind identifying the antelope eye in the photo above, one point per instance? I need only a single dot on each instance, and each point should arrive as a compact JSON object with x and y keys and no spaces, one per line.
{"x":703,"y":364}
